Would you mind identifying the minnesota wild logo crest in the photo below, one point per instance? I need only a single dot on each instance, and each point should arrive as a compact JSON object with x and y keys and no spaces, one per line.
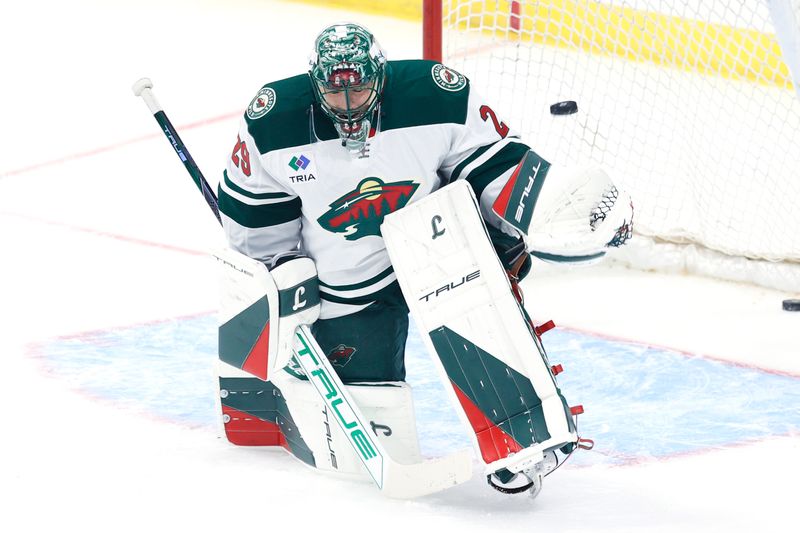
{"x":360,"y":213}
{"x":341,"y":355}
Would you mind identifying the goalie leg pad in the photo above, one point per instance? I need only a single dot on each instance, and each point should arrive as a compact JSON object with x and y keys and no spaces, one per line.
{"x":260,"y":310}
{"x":255,"y":413}
{"x":387,"y":406}
{"x":460,"y":298}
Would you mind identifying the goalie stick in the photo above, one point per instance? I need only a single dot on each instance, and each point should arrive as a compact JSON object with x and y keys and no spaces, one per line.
{"x":142,"y":88}
{"x":394,"y":479}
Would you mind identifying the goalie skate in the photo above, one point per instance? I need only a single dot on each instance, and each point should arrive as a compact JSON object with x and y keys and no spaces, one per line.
{"x":529,"y":479}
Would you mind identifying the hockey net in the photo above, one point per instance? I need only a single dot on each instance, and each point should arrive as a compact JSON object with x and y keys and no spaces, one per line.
{"x":689,"y":104}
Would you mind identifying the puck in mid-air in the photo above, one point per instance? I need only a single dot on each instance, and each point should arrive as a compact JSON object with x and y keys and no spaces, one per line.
{"x":567,"y":107}
{"x":791,"y":305}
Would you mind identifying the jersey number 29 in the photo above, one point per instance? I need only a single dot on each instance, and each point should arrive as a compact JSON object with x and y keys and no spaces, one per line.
{"x":242,"y":162}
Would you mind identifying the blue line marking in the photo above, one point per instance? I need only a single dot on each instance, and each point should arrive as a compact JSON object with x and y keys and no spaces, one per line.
{"x":641,"y":403}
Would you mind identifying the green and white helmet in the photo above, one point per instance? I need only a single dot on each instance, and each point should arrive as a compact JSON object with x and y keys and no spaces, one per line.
{"x":348,"y":74}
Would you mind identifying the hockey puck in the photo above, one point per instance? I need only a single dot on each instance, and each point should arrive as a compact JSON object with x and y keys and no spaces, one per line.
{"x":567,"y":107}
{"x":791,"y":305}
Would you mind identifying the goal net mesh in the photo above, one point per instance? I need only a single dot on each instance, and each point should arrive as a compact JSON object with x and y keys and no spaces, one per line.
{"x":690,"y":105}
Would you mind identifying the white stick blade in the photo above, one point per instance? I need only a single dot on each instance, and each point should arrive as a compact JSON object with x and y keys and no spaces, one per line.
{"x":431,"y":476}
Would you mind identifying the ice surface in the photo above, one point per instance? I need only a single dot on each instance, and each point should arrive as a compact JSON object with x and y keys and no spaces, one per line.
{"x":691,"y":386}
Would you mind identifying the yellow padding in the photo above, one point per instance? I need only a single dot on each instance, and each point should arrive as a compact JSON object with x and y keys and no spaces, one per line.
{"x":402,"y":9}
{"x":636,"y":35}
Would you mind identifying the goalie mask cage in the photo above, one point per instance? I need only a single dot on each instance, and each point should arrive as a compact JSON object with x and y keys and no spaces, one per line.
{"x":689,"y":104}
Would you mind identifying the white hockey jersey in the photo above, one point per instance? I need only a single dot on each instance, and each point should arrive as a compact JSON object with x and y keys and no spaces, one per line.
{"x":290,"y":184}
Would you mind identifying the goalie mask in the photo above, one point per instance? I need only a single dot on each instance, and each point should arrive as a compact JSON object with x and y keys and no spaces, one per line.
{"x":348,"y":74}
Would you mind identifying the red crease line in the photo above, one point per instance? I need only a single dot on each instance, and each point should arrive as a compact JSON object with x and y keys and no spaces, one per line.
{"x":683,"y":352}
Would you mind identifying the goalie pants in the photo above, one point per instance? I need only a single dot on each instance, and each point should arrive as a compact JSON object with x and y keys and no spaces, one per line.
{"x":368,"y":345}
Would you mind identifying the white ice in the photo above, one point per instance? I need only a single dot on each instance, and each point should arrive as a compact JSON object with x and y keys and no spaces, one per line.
{"x":102,"y":229}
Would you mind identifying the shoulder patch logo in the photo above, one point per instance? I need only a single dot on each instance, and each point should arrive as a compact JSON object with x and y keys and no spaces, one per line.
{"x":262,"y":103}
{"x":360,"y":212}
{"x":447,"y":78}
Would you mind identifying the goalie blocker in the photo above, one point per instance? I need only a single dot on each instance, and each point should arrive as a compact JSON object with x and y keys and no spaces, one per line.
{"x":498,"y":373}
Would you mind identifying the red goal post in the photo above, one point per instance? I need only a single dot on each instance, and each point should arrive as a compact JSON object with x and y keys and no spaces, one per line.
{"x":690,"y":104}
{"x":432,"y":30}
{"x":432,"y":24}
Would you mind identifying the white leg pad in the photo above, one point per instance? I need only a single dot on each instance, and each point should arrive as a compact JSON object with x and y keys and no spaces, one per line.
{"x":491,"y":360}
{"x":388,"y":407}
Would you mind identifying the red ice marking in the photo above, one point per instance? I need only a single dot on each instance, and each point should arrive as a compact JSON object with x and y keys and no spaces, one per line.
{"x":99,"y":233}
{"x":494,"y":442}
{"x":544,"y":328}
{"x":576,"y":410}
{"x":557,"y":369}
{"x":680,"y":351}
{"x":244,"y":429}
{"x":256,"y":361}
{"x":89,"y":153}
{"x":89,"y":336}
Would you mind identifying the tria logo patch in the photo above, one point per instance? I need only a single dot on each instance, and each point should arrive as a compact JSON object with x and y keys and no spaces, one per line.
{"x":298,"y":163}
{"x":360,"y":213}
